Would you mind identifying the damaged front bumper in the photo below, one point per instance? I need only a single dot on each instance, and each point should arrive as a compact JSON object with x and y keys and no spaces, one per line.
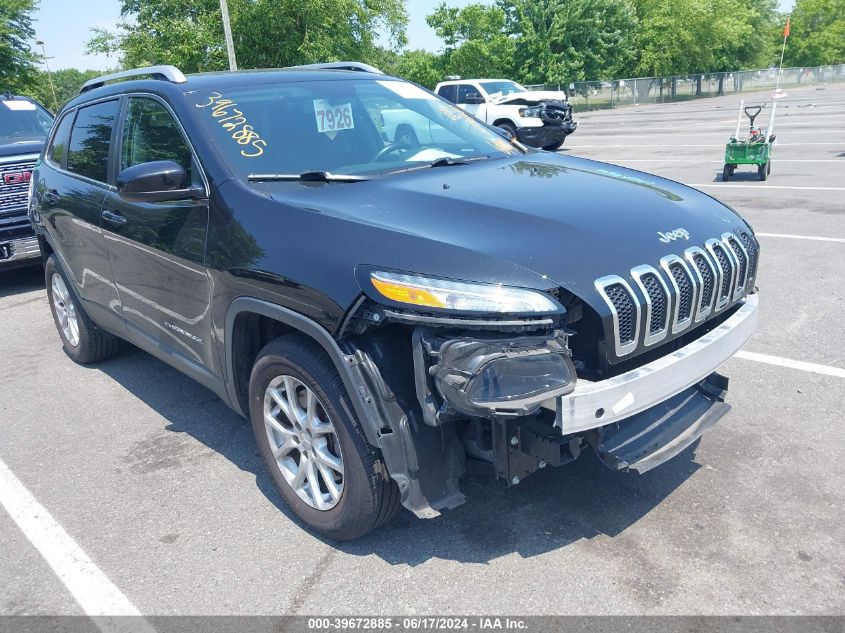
{"x":550,"y":134}
{"x":594,"y":404}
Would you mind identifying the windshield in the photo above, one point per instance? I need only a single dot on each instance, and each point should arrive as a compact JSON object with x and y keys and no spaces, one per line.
{"x":501,"y":88}
{"x":354,"y":126}
{"x":22,"y":120}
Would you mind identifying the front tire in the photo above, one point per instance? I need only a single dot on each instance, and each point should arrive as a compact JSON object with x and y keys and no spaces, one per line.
{"x":313,"y":444}
{"x":83,"y":341}
{"x":510,"y":129}
{"x":763,"y":171}
{"x":726,"y":173}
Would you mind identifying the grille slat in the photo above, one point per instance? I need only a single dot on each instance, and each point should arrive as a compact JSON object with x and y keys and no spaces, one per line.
{"x":751,"y":249}
{"x":658,"y":302}
{"x":685,"y":291}
{"x":727,"y":270}
{"x":625,"y":311}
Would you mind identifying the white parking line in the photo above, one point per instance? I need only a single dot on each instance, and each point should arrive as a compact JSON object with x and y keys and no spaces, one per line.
{"x":826,"y":370}
{"x":762,"y":187}
{"x":802,"y":237}
{"x":89,"y":586}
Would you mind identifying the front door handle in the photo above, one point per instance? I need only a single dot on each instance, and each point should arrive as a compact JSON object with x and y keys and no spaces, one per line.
{"x":113,"y":218}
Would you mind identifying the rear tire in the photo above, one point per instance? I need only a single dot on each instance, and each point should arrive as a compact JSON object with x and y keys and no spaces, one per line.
{"x":83,"y":341}
{"x":361,"y":496}
{"x":763,"y":171}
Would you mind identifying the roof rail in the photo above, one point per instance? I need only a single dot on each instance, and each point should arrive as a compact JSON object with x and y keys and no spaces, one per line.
{"x":166,"y":73}
{"x":357,"y":66}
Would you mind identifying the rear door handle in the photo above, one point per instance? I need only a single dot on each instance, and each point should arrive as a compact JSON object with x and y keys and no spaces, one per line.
{"x":113,"y":218}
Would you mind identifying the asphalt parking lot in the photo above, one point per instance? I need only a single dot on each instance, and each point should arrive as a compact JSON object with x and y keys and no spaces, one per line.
{"x":159,"y":484}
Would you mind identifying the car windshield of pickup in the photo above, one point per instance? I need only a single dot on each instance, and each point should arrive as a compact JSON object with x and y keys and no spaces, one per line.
{"x":501,"y":88}
{"x":361,"y":127}
{"x":22,"y":120}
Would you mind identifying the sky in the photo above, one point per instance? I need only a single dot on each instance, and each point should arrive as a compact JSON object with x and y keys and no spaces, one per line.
{"x":65,"y":28}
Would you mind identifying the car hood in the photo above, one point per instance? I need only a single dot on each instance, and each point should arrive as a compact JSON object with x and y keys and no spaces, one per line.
{"x":569,"y":220}
{"x":531,"y":97}
{"x":22,"y":147}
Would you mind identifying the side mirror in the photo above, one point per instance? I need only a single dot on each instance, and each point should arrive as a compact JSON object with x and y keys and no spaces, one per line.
{"x":156,"y":181}
{"x":474,"y":98}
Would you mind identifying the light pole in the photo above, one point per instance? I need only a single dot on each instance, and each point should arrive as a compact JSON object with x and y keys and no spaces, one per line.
{"x":49,"y":74}
{"x":227,"y":30}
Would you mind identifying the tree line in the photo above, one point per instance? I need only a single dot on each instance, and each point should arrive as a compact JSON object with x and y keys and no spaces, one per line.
{"x":531,"y":41}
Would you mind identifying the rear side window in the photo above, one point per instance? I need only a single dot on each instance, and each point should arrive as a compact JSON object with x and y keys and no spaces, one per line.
{"x":90,"y":139}
{"x":58,"y":147}
{"x":150,"y":134}
{"x":449,"y":92}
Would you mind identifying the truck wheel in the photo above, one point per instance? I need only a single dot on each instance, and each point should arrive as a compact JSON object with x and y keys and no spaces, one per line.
{"x":726,"y":173}
{"x":313,"y":444}
{"x":554,"y":146}
{"x":763,"y":171}
{"x":508,"y":128}
{"x":83,"y":341}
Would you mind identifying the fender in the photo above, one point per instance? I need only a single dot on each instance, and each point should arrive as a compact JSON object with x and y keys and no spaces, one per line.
{"x":427,"y":483}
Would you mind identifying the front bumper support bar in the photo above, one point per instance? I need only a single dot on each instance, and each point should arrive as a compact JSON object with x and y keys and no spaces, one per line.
{"x":596,"y":404}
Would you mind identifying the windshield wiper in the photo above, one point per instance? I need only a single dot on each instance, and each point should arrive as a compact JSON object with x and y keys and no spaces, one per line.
{"x":446,"y":161}
{"x":307,"y":176}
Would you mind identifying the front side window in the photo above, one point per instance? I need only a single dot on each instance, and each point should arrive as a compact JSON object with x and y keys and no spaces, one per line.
{"x":23,"y":120}
{"x":90,"y":138}
{"x":151,"y":134}
{"x":468,"y":94}
{"x":345,"y":127}
{"x":58,"y":147}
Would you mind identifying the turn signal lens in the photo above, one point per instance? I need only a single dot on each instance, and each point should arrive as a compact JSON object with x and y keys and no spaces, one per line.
{"x":460,"y":295}
{"x":407,"y":294}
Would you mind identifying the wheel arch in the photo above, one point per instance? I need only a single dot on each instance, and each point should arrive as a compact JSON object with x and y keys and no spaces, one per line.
{"x":502,"y":120}
{"x":251,"y":323}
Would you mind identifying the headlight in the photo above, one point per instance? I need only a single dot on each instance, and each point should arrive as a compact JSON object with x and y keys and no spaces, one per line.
{"x":533,"y":111}
{"x":460,"y":295}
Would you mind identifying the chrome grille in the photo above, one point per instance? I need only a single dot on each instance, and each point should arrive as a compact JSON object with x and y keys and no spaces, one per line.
{"x":13,"y":196}
{"x":680,"y":292}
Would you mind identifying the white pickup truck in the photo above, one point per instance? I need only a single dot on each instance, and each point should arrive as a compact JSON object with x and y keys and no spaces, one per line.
{"x":536,"y":118}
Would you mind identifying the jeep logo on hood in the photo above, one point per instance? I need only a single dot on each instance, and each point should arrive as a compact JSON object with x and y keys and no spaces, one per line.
{"x":673,"y":235}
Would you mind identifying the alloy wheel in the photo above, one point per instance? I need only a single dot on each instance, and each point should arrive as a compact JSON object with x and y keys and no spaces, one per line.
{"x":65,"y":309}
{"x":304,"y":442}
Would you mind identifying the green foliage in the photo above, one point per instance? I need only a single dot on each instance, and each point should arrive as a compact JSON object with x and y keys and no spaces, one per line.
{"x":572,"y":40}
{"x":694,"y":36}
{"x":266,"y":33}
{"x":17,"y":61}
{"x":418,"y":66}
{"x":477,"y":44}
{"x":66,"y":82}
{"x":817,"y":34}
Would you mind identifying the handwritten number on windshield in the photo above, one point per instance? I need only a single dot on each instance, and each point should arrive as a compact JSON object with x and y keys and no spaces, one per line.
{"x":233,"y":121}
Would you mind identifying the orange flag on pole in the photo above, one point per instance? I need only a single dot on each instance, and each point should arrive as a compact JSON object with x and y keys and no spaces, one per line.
{"x":786,"y":28}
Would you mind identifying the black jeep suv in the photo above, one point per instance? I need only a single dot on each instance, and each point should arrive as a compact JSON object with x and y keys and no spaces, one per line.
{"x":384,"y":311}
{"x":24,"y":126}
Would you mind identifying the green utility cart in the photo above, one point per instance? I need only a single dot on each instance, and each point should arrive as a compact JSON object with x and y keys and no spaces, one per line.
{"x":756,"y":149}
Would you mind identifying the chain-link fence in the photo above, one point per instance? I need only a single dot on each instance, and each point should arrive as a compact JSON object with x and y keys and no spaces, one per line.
{"x":600,"y":95}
